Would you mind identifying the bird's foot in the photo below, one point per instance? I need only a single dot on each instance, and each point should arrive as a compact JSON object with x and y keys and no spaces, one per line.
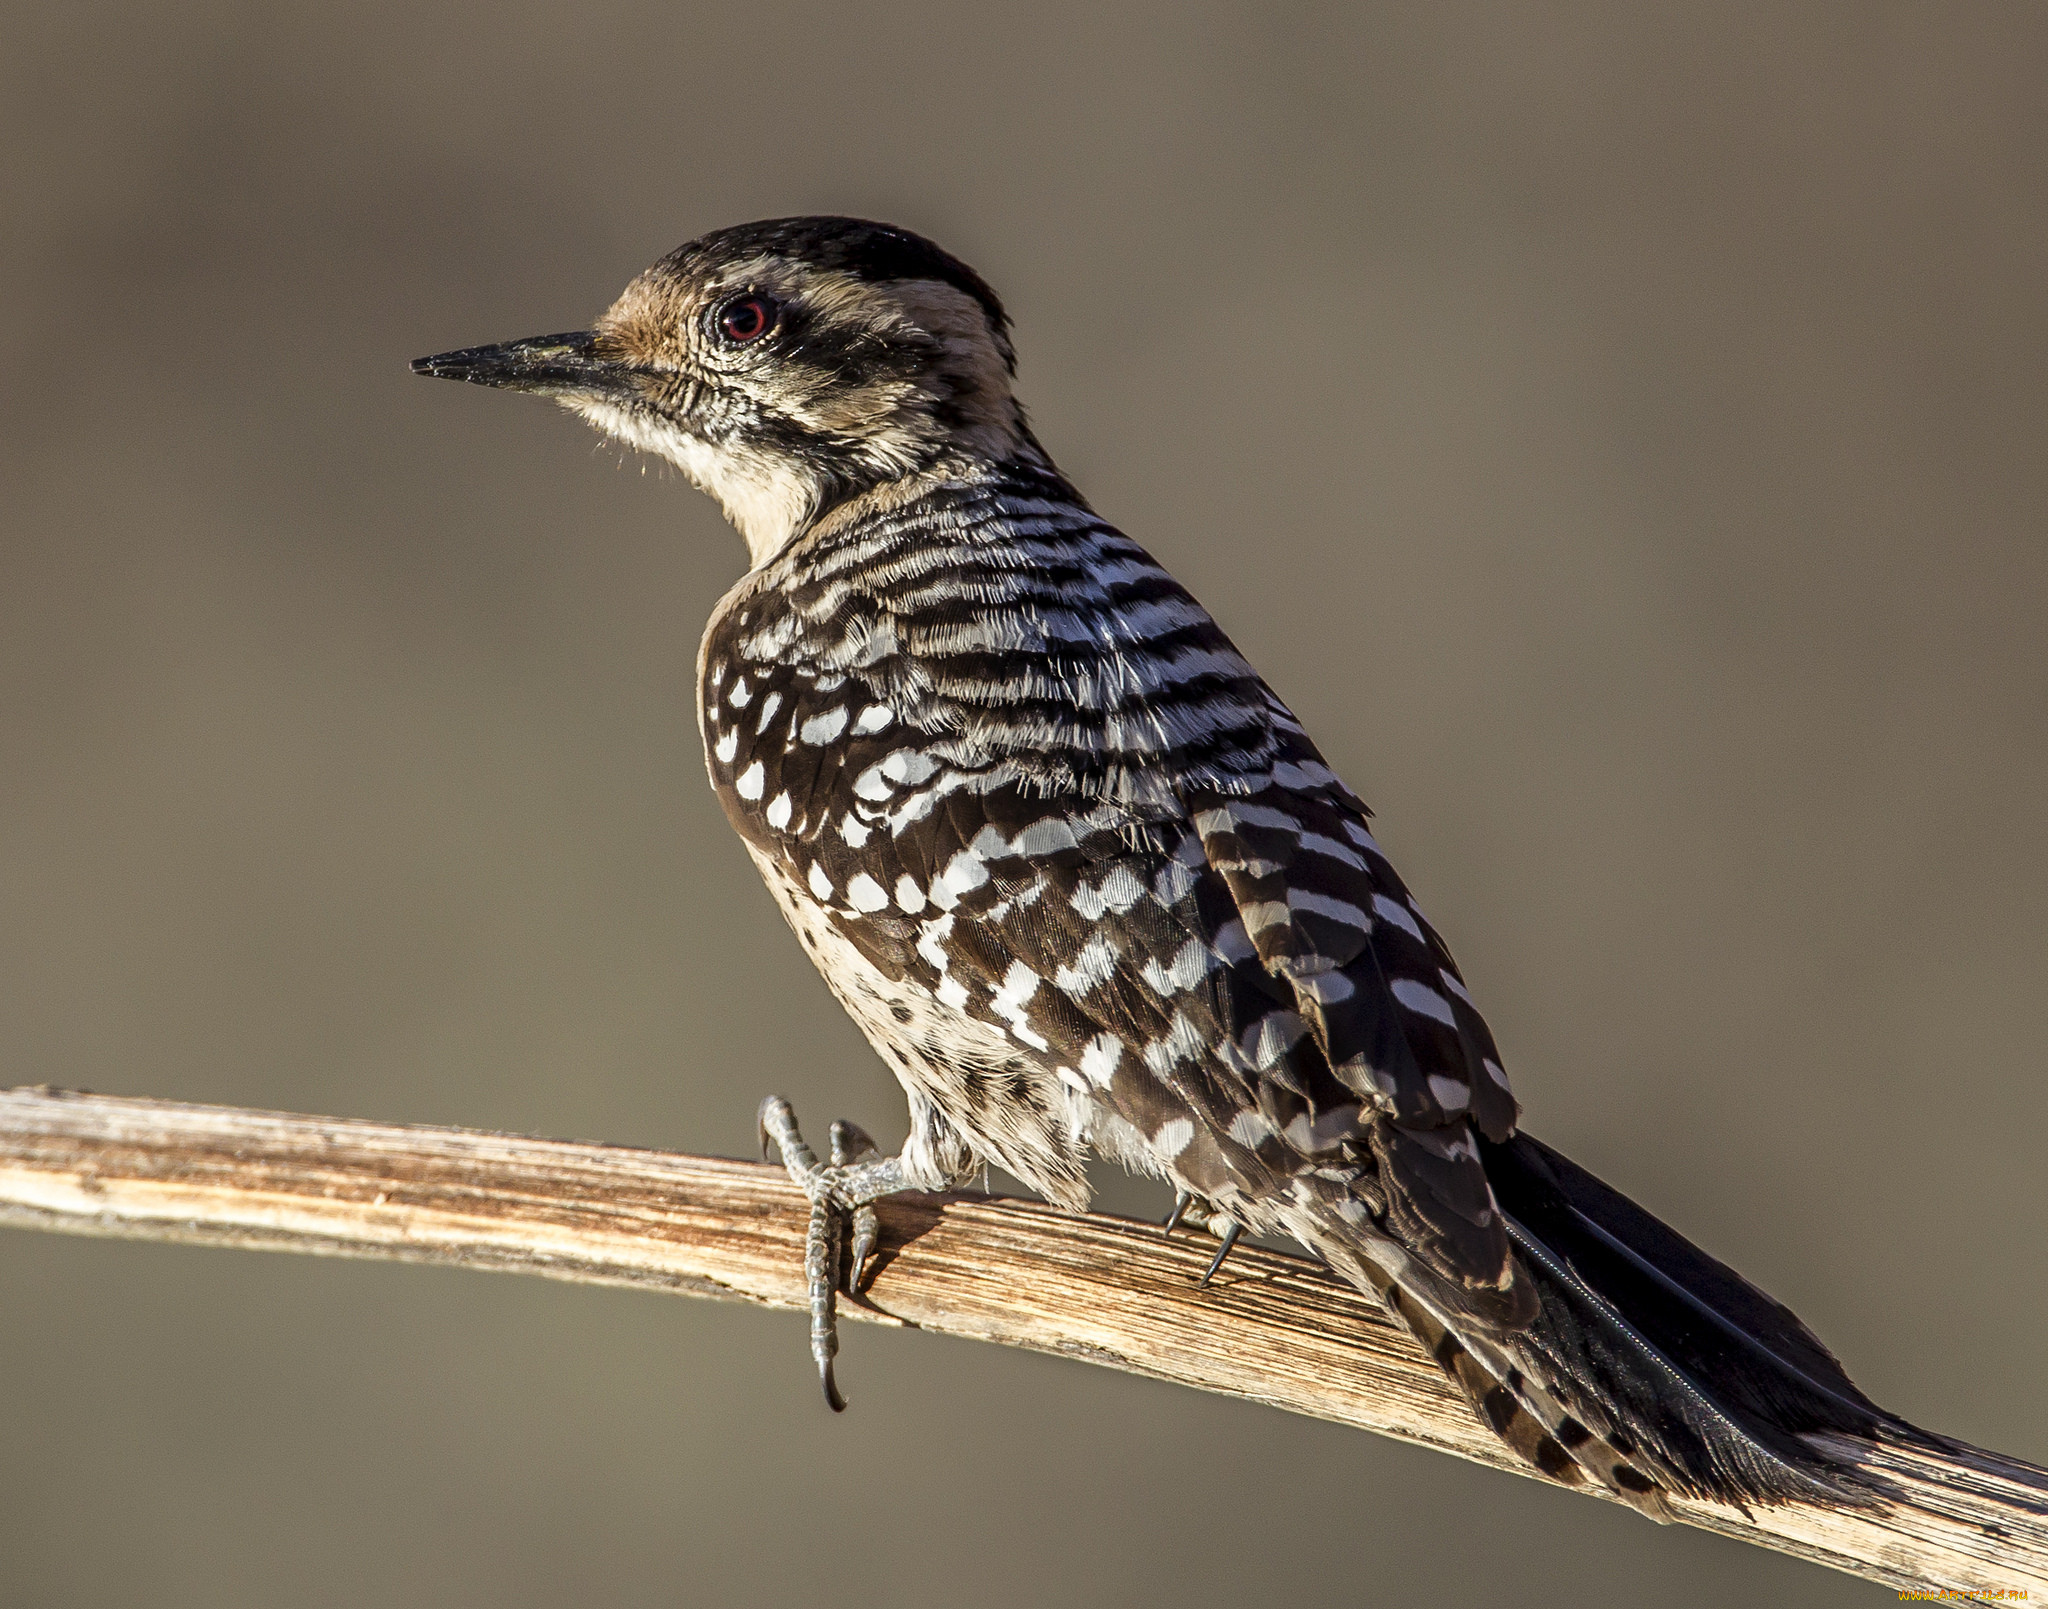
{"x":1225,"y":1228}
{"x":842,"y":1196}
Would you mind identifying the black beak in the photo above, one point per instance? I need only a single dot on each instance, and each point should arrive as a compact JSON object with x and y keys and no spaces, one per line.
{"x":552,"y":365}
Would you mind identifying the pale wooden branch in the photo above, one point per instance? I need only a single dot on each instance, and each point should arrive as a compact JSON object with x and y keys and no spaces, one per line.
{"x":1274,"y":1329}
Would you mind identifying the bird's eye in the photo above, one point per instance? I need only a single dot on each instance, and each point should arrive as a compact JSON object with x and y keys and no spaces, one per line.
{"x":747,"y":319}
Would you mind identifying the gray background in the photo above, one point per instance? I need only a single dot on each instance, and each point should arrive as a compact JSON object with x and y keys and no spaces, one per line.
{"x":1617,"y":430}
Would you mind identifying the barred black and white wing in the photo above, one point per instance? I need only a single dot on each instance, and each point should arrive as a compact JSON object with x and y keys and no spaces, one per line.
{"x":1025,"y":774}
{"x":1082,"y":878}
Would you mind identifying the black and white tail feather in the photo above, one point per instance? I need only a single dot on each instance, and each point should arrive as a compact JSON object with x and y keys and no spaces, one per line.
{"x":1086,"y":884}
{"x":1649,"y":1366}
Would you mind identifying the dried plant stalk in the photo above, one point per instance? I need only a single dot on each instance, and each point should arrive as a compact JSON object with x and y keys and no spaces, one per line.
{"x":1273,"y":1329}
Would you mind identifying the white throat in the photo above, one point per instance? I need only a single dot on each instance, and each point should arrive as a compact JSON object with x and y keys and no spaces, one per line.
{"x":767,"y":498}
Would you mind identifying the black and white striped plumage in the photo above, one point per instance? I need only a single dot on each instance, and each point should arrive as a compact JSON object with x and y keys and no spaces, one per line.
{"x":1086,"y":884}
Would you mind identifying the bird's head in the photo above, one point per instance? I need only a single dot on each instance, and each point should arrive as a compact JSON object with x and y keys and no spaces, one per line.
{"x":785,"y":366}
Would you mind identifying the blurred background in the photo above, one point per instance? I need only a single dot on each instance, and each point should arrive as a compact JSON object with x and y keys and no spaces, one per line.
{"x":1619,"y":432}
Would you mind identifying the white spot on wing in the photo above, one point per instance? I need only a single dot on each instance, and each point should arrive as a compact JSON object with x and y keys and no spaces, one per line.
{"x":1337,"y":910}
{"x":865,"y":894}
{"x":821,"y":885}
{"x":1268,"y":913}
{"x":1099,"y":1059}
{"x":1356,"y":832}
{"x":912,"y":810}
{"x":931,"y":942}
{"x":1330,"y":849}
{"x":908,"y":766}
{"x":1020,"y":983}
{"x":1095,"y":962}
{"x":1424,"y":1001}
{"x":728,"y":746}
{"x":1452,"y":1094}
{"x":1118,"y":892}
{"x":778,"y":810}
{"x":1182,"y":1041}
{"x":965,"y":872}
{"x":1173,"y":1138}
{"x":899,"y":768}
{"x":1326,"y":988}
{"x":1044,"y":837}
{"x":1183,"y":972}
{"x":820,"y":729}
{"x":1233,"y":944}
{"x":1172,"y":883}
{"x":1397,"y":913}
{"x":1271,"y":1037}
{"x":751,"y":782}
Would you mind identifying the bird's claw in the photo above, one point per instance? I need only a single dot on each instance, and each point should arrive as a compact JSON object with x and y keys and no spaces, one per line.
{"x":1226,"y":1229}
{"x":1232,"y":1229}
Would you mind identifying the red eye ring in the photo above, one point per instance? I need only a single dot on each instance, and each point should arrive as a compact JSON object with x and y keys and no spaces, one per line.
{"x":746,"y":319}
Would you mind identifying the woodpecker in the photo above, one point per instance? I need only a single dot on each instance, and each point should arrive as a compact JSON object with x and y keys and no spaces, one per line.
{"x":1088,"y":887}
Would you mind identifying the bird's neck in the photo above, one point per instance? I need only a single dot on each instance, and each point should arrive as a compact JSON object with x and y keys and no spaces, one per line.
{"x":778,"y":516}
